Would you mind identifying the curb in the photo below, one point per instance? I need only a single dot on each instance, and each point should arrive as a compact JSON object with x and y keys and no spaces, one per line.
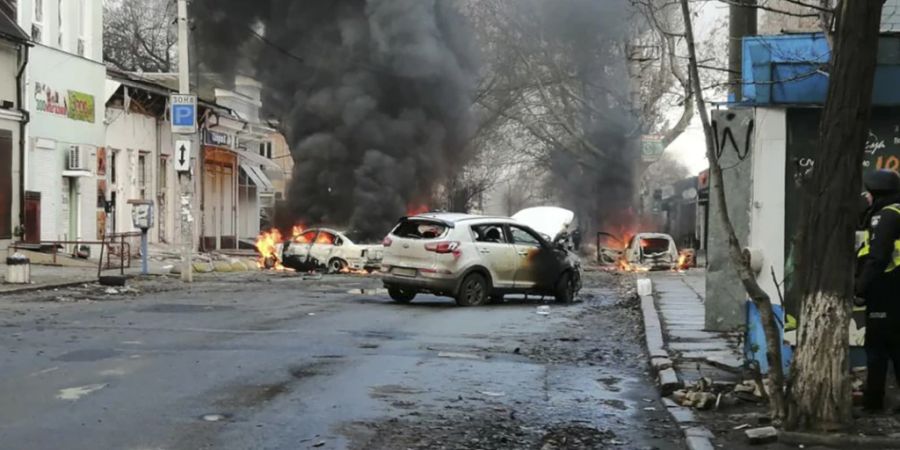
{"x":44,"y":287}
{"x":695,"y":437}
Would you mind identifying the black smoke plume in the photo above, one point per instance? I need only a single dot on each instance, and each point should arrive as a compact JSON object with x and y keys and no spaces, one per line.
{"x":373,"y":96}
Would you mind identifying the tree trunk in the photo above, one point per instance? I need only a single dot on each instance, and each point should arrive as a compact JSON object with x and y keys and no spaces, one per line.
{"x":741,"y":22}
{"x":820,"y":396}
{"x":741,"y":264}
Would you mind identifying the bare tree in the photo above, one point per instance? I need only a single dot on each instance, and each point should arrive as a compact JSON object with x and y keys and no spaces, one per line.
{"x":139,"y":35}
{"x":820,"y":395}
{"x":741,"y":264}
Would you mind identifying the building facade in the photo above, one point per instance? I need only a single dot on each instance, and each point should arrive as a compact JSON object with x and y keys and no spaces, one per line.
{"x":14,"y":49}
{"x":65,"y":91}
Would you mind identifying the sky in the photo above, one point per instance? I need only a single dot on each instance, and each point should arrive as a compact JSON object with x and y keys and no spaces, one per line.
{"x":690,"y":147}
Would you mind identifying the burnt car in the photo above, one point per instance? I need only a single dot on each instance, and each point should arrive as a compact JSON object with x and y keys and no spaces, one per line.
{"x":332,"y":250}
{"x":652,"y":251}
{"x":476,"y":260}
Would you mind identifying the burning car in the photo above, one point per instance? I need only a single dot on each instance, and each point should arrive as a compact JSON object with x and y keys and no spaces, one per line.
{"x":333,"y":250}
{"x":653,"y":251}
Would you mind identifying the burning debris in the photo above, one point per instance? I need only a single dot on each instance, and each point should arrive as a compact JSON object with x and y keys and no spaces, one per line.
{"x":374,"y":97}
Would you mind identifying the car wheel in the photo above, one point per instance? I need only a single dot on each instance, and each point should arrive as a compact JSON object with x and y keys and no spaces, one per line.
{"x":565,"y":288}
{"x":401,"y":295}
{"x":337,"y":265}
{"x":473,"y":291}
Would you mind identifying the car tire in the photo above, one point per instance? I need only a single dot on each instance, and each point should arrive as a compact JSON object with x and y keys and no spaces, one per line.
{"x":401,"y":295}
{"x":473,"y":291}
{"x":337,"y":265}
{"x":565,"y":288}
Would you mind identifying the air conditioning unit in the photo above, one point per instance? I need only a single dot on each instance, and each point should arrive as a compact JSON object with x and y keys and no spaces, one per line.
{"x":76,"y":158}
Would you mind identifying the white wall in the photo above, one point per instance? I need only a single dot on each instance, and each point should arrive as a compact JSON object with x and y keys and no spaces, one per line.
{"x":767,"y":198}
{"x":132,"y":134}
{"x":50,"y":24}
{"x":51,"y":134}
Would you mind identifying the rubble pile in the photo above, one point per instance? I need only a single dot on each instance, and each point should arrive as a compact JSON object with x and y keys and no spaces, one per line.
{"x":705,"y":394}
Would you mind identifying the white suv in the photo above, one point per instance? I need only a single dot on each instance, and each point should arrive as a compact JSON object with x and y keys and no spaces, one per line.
{"x":475,"y":259}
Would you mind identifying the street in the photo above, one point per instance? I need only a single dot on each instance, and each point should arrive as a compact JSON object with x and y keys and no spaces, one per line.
{"x":266,"y":360}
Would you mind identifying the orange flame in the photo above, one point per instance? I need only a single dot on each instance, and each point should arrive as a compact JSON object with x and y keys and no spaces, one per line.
{"x":415,"y":210}
{"x":267,"y":245}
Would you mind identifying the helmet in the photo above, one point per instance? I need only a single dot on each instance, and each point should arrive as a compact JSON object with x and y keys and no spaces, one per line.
{"x":882,"y":181}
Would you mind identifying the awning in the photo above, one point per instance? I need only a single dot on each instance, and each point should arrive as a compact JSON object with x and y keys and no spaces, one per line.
{"x":258,"y":177}
{"x":259,"y":160}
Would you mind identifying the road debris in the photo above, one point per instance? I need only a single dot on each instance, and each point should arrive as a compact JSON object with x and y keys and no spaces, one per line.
{"x":543,"y":310}
{"x":458,"y":355}
{"x":764,"y":435}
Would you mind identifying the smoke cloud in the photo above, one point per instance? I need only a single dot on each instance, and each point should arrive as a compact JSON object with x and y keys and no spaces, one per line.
{"x":374,"y":96}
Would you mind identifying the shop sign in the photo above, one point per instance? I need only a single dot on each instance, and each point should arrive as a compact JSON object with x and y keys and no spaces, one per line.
{"x":73,"y":104}
{"x":217,"y":139}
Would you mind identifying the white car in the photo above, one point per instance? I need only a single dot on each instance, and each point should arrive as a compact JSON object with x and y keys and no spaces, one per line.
{"x":475,"y":259}
{"x":333,"y":250}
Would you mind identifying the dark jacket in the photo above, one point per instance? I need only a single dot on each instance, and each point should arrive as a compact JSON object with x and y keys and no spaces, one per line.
{"x":873,"y":284}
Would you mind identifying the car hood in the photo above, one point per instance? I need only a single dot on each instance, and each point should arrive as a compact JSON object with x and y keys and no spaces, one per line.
{"x":547,"y":220}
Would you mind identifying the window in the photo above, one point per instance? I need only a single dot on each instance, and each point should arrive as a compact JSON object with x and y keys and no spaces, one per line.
{"x":522,"y":237}
{"x":420,"y":229}
{"x":113,"y":157}
{"x":265,"y":149}
{"x":59,"y":9}
{"x":163,"y":173}
{"x":80,"y":26}
{"x":37,"y":26}
{"x":142,"y":175}
{"x":489,"y":233}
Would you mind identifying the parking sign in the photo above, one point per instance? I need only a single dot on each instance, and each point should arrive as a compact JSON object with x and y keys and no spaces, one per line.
{"x":183,"y":113}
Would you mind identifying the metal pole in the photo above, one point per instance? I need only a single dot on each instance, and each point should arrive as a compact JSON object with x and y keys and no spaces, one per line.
{"x":144,"y":270}
{"x":184,"y":178}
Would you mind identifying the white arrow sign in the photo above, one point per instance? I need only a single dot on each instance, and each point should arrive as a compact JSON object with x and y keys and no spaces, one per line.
{"x":182,"y":156}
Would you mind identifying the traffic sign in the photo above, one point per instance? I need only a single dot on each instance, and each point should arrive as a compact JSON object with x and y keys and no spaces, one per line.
{"x":182,"y":156}
{"x":183,"y":113}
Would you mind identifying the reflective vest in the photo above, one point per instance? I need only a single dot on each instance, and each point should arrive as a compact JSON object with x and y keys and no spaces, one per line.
{"x":865,"y":249}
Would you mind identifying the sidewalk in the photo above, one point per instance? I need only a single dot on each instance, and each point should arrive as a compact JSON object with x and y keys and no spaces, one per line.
{"x":679,"y":299}
{"x":682,"y":352}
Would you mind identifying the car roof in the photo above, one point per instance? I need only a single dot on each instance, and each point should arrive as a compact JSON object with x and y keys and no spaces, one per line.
{"x":654,"y":236}
{"x":460,"y":217}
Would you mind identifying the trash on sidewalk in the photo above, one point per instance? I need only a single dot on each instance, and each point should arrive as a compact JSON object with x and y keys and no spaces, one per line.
{"x":543,"y":310}
{"x":644,"y":287}
{"x":764,"y":435}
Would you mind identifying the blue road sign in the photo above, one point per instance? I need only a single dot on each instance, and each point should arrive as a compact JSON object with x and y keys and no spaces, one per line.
{"x":184,"y":114}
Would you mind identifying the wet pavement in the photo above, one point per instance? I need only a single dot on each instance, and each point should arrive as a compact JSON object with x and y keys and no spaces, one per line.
{"x":273,"y":361}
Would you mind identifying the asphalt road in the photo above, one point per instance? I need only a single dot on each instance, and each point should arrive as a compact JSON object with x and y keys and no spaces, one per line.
{"x":269,"y":361}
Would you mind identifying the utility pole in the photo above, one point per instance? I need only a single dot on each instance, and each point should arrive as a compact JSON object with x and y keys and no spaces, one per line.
{"x":741,"y":22}
{"x":184,"y":178}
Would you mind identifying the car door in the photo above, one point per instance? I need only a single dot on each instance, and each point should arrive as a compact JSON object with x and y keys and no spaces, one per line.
{"x":323,"y":246}
{"x":496,"y":252}
{"x":528,"y":248}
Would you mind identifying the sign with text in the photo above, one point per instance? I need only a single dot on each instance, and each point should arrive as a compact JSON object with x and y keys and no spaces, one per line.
{"x":218,"y":139}
{"x":182,"y":156}
{"x":183,"y":113}
{"x":72,"y":104}
{"x":652,"y":148}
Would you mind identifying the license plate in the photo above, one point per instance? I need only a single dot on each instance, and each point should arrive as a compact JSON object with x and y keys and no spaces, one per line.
{"x":405,"y":272}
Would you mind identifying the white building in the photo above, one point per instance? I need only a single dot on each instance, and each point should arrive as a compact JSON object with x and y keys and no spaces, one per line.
{"x":13,"y":57}
{"x":65,"y":97}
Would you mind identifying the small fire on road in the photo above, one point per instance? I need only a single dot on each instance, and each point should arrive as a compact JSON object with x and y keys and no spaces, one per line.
{"x":267,"y":245}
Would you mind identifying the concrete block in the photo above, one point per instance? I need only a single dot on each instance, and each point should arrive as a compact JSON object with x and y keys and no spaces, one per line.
{"x":238,"y":266}
{"x":764,"y":435}
{"x":660,"y":363}
{"x":698,"y":443}
{"x":698,"y":432}
{"x":668,"y":381}
{"x":683,"y":415}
